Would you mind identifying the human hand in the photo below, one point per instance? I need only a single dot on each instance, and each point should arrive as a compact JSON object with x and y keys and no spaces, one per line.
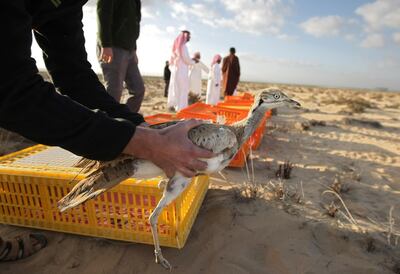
{"x":106,"y":55}
{"x":169,"y":148}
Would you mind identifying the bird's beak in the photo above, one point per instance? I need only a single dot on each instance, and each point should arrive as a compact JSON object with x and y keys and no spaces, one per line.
{"x":293,"y":103}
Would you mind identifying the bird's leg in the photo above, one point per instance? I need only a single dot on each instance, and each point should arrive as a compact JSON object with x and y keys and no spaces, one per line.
{"x":175,"y":186}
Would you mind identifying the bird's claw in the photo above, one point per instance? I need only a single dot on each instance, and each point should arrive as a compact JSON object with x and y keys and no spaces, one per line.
{"x":161,"y":260}
{"x":162,"y":184}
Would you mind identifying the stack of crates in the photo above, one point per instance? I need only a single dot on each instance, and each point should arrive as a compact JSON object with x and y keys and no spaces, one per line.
{"x":233,"y":109}
{"x":34,"y":179}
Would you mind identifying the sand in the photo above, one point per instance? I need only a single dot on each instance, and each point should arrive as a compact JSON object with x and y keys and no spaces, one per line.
{"x":342,"y":136}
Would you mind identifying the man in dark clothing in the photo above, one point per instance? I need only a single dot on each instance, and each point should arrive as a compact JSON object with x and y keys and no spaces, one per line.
{"x":81,"y":117}
{"x":167,"y":77}
{"x":230,"y":72}
{"x":118,"y":30}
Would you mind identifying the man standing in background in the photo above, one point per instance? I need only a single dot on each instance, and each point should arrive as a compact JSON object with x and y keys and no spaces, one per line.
{"x":178,"y":90}
{"x":214,"y":82}
{"x":118,"y":30}
{"x":231,"y":72}
{"x":167,"y":77}
{"x":195,"y":72}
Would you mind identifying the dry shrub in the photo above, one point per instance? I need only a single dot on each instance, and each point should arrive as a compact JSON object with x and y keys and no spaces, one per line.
{"x":284,"y":170}
{"x":370,"y":244}
{"x":352,"y":121}
{"x":396,"y":268}
{"x":317,"y":123}
{"x":394,"y":106}
{"x":306,"y":125}
{"x":338,"y":186}
{"x":247,"y":192}
{"x":354,"y":105}
{"x":286,"y":193}
{"x":332,"y":209}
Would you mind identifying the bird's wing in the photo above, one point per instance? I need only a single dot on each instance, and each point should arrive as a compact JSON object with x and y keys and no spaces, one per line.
{"x":104,"y":177}
{"x":217,"y":138}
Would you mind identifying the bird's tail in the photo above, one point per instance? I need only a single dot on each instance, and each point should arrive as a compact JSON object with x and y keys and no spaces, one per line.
{"x":105,"y":177}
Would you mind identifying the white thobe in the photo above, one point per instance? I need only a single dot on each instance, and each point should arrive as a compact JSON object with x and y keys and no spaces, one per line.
{"x":214,"y":85}
{"x":195,"y":76}
{"x":178,"y":90}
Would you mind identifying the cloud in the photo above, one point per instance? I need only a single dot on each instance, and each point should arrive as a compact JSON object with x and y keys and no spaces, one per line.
{"x":373,"y":40}
{"x":278,"y":61}
{"x":380,"y":14}
{"x":396,"y":38}
{"x":286,"y":37}
{"x":323,"y":26}
{"x":389,"y":62}
{"x":254,"y":17}
{"x":171,"y":29}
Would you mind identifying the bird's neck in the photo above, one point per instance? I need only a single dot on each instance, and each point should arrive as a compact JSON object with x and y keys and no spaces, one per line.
{"x":249,"y":125}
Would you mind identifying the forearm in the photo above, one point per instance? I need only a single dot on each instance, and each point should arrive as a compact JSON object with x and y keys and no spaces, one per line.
{"x":32,"y":108}
{"x":141,"y":144}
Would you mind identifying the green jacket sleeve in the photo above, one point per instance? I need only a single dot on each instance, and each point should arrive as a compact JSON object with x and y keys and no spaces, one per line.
{"x":105,"y":22}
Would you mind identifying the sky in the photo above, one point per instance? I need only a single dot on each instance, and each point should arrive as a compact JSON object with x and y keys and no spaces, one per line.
{"x":337,"y":43}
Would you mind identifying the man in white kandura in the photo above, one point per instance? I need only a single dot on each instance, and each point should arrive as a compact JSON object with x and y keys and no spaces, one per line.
{"x":195,"y":74}
{"x":214,"y":82}
{"x":179,"y":65}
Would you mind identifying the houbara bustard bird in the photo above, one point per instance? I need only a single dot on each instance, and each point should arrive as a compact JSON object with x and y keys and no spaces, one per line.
{"x":223,"y":140}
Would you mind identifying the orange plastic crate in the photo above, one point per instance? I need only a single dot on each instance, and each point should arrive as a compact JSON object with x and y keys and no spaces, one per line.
{"x":34,"y":179}
{"x":257,"y":136}
{"x":243,"y":97}
{"x":160,"y":118}
{"x":207,"y":112}
{"x":240,"y":158}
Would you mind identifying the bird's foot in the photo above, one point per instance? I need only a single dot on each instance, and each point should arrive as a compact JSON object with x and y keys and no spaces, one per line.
{"x":162,"y":183}
{"x":161,"y":260}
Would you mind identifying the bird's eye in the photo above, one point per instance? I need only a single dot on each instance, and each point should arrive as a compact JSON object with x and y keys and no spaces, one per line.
{"x":276,"y":96}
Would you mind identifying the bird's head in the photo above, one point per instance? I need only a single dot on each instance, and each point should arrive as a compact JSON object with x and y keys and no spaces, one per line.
{"x":274,"y":98}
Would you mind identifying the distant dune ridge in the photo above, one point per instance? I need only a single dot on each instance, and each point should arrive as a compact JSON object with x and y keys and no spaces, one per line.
{"x":339,"y":212}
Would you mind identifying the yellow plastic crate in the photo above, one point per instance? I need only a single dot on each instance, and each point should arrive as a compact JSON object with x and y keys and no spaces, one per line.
{"x":34,"y":179}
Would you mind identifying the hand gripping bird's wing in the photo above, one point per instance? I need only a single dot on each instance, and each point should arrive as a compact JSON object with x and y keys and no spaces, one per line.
{"x":102,"y":176}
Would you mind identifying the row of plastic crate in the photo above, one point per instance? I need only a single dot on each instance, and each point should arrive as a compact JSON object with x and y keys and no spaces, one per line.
{"x":34,"y":179}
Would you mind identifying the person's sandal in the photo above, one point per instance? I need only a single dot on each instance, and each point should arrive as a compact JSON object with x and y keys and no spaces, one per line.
{"x":21,"y":247}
